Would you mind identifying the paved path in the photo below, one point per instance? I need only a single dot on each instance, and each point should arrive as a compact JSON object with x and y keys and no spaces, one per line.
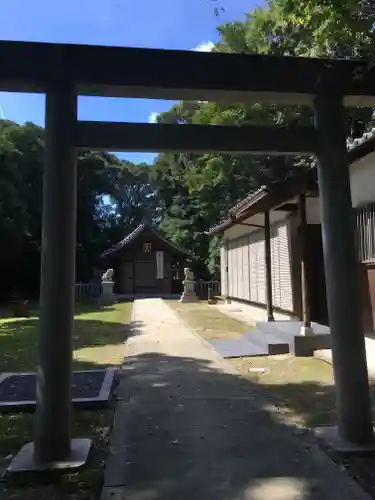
{"x":187,"y":426}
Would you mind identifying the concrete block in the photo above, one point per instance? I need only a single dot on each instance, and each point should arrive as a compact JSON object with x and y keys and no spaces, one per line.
{"x":306,"y":345}
{"x":282,"y":348}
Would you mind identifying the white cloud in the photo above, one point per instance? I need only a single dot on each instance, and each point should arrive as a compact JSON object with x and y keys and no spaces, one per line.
{"x":153,"y":117}
{"x":2,"y":117}
{"x":205,"y":46}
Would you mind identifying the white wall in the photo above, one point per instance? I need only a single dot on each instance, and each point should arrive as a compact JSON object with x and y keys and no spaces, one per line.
{"x":362,"y":180}
{"x":362,"y":183}
{"x":312,"y":210}
{"x":258,"y":313}
{"x":238,"y":230}
{"x":246,"y":262}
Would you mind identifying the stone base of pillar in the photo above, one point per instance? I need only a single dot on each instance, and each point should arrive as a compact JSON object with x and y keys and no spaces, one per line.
{"x":107,"y":297}
{"x":307,"y":331}
{"x":24,"y":460}
{"x":330,"y":437}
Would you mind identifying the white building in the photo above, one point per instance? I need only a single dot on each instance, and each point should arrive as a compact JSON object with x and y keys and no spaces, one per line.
{"x":243,"y":253}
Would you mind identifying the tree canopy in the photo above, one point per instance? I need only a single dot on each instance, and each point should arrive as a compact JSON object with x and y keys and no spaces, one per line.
{"x":198,"y":190}
{"x":113,"y":196}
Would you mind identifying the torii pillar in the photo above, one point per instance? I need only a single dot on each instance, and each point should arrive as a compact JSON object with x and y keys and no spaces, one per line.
{"x":52,"y":447}
{"x":354,"y":430}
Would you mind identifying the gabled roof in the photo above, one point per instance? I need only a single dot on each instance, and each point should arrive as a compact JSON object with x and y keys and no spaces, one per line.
{"x":137,"y":232}
{"x":267,"y":197}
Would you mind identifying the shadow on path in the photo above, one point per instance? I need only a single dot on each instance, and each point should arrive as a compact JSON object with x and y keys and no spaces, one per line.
{"x":187,"y":429}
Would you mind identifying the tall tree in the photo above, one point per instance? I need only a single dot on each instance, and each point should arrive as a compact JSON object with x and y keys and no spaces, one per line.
{"x":210,"y":184}
{"x":112,"y":198}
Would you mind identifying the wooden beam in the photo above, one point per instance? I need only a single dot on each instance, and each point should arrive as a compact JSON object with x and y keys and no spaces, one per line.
{"x":189,"y":75}
{"x":287,"y":207}
{"x":249,"y":225}
{"x":195,"y":138}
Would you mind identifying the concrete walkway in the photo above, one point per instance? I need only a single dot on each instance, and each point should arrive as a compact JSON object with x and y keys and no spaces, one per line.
{"x":187,"y":426}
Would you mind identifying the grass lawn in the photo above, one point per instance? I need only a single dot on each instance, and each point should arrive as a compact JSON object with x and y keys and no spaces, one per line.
{"x":99,"y":335}
{"x":301,"y":388}
{"x":208,"y":321}
{"x":96,"y":339}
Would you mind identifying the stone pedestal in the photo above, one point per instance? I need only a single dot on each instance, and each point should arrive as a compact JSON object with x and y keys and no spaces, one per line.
{"x":189,"y":294}
{"x":107,"y":297}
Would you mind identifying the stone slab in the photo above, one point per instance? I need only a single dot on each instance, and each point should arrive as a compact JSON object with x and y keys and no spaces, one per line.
{"x":24,"y":460}
{"x":90,"y":388}
{"x":252,"y":343}
{"x":237,"y":348}
{"x":289,"y":329}
{"x":263,"y":339}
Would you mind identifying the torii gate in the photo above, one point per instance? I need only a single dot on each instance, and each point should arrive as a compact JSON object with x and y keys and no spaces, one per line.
{"x":64,"y":71}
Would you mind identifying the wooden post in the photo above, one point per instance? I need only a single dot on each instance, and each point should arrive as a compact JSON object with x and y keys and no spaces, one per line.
{"x":306,"y":311}
{"x":226,"y":276}
{"x":267,"y":251}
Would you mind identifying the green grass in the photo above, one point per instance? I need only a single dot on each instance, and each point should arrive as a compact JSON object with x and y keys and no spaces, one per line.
{"x":208,"y":321}
{"x":98,"y":341}
{"x":98,"y":333}
{"x":302,"y":388}
{"x":15,"y":430}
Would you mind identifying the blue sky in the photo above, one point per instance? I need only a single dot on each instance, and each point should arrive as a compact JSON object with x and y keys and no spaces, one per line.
{"x":167,"y":24}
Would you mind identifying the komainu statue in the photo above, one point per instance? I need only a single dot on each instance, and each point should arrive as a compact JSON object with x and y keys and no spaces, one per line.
{"x":189,"y":294}
{"x":107,"y":276}
{"x":189,"y":275}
